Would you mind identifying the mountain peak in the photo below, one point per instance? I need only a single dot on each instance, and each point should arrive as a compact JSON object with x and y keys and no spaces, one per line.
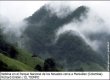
{"x":41,"y":33}
{"x":46,"y":12}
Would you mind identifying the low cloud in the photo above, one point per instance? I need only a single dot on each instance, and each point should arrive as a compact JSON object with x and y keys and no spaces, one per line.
{"x":93,"y":24}
{"x":98,"y":20}
{"x":12,"y":31}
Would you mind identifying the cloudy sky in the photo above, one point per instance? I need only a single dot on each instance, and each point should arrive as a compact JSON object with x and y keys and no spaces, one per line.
{"x":18,"y":10}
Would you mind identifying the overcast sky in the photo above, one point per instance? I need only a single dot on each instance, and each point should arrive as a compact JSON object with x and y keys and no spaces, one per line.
{"x":18,"y":10}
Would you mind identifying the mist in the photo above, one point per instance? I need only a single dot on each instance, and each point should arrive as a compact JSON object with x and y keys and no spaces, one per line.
{"x":12,"y":31}
{"x":97,"y":21}
{"x":88,"y":26}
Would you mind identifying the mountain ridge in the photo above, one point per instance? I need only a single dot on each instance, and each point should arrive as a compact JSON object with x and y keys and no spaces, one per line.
{"x":42,"y":36}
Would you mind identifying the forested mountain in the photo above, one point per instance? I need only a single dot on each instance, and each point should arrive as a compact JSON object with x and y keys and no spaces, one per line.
{"x":69,"y":50}
{"x":75,"y":40}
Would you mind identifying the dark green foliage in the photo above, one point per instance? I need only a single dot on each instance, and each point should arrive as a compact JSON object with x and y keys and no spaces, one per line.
{"x":49,"y":65}
{"x":6,"y":48}
{"x":3,"y":66}
{"x":38,"y":68}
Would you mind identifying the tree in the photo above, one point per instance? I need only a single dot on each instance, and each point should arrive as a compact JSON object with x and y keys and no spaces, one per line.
{"x":38,"y":67}
{"x":49,"y":65}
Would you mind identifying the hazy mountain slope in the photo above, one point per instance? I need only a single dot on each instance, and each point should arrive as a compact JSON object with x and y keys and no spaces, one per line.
{"x":28,"y":58}
{"x":42,"y":26}
{"x":69,"y":48}
{"x":5,"y":47}
{"x":9,"y":64}
{"x":15,"y":59}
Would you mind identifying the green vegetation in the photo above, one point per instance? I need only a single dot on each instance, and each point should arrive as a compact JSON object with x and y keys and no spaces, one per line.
{"x":9,"y":64}
{"x":6,"y":48}
{"x":15,"y":59}
{"x":27,"y":58}
{"x":22,"y":56}
{"x":50,"y":65}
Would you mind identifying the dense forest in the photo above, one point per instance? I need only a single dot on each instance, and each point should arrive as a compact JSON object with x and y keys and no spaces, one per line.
{"x":44,"y":50}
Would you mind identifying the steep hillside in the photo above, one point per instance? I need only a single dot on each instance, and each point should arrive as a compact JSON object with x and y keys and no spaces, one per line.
{"x":29,"y":58}
{"x":53,"y":43}
{"x":69,"y":49}
{"x":15,"y":59}
{"x":42,"y":26}
{"x":9,"y":64}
